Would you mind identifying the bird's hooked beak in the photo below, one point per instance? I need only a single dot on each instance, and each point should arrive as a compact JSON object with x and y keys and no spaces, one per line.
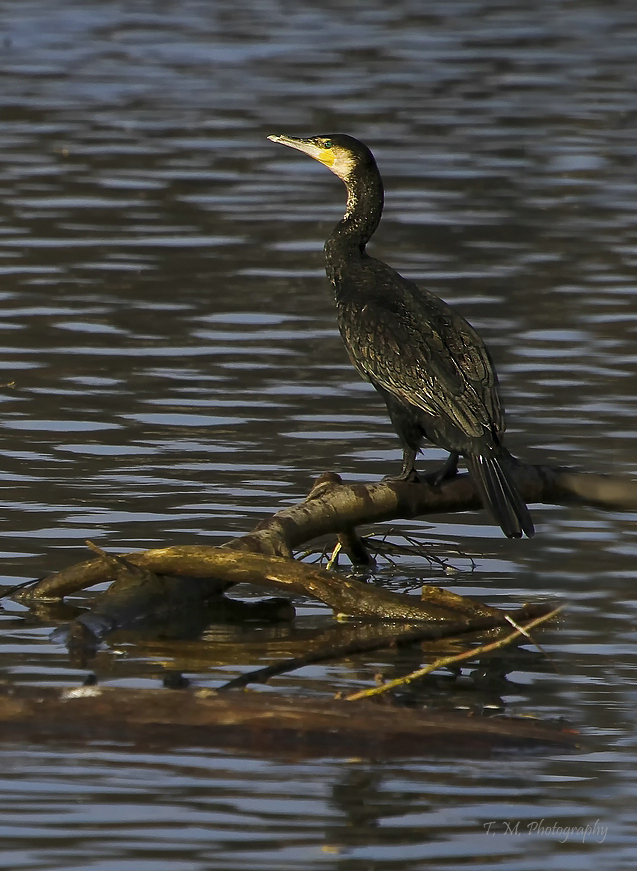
{"x":308,"y":146}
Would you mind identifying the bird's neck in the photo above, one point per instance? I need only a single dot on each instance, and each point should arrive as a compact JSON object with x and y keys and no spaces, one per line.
{"x":347,"y":241}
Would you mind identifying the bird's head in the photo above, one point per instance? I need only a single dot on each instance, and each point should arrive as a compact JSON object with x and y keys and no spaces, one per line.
{"x":342,"y":154}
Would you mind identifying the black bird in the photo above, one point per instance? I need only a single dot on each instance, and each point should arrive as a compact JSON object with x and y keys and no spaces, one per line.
{"x":429,"y":365}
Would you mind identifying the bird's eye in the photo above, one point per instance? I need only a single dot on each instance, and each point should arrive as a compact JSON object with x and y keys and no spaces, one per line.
{"x":327,"y":143}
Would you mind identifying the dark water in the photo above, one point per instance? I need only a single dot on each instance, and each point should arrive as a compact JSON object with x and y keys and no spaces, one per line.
{"x":171,"y":373}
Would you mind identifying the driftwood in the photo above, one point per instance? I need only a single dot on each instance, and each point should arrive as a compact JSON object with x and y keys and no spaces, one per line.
{"x":284,"y":728}
{"x":158,"y":584}
{"x":150,"y":585}
{"x":263,"y":556}
{"x":210,"y":571}
{"x":138,"y":600}
{"x":333,"y":507}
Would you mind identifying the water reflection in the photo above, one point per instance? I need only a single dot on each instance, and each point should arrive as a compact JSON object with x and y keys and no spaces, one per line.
{"x":171,"y":372}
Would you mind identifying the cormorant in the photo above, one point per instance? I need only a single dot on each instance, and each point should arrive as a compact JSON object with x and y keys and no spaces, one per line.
{"x":429,"y":365}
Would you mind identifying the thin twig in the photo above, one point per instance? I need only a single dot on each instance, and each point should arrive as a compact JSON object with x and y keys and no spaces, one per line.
{"x":449,"y":660}
{"x":333,"y":560}
{"x":524,"y":632}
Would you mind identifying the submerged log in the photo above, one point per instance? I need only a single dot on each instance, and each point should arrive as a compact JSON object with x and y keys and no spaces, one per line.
{"x":396,"y":635}
{"x":254,"y":723}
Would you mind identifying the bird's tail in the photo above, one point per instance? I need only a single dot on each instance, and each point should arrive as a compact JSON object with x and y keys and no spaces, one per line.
{"x":499,"y":494}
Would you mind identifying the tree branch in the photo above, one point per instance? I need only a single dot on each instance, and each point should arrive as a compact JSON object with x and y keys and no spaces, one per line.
{"x":263,"y":555}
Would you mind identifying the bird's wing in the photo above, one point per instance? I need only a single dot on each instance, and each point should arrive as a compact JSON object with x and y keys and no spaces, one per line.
{"x":424,"y":353}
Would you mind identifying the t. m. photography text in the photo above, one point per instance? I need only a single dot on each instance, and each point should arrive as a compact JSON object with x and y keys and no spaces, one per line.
{"x":595,"y":832}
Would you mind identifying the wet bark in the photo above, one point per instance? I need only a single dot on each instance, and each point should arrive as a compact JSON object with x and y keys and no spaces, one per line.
{"x":283,"y":728}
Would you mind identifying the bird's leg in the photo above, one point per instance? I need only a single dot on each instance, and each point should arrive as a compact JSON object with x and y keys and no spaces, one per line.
{"x":408,"y":473}
{"x":444,"y":473}
{"x":409,"y":432}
